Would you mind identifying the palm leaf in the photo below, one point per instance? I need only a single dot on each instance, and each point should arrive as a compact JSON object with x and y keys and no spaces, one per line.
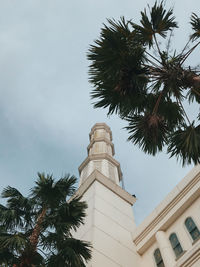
{"x":68,"y":216}
{"x":66,"y":186}
{"x":185,"y":144}
{"x":19,"y":210}
{"x":193,"y":95}
{"x":13,"y":242}
{"x":195,"y":22}
{"x":159,"y":21}
{"x":11,"y":218}
{"x":115,"y":68}
{"x":167,"y":109}
{"x":116,"y":103}
{"x":148,"y":131}
{"x":72,"y":253}
{"x":50,"y":193}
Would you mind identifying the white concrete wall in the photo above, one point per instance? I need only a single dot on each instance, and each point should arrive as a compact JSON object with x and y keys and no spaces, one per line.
{"x":109,"y":226}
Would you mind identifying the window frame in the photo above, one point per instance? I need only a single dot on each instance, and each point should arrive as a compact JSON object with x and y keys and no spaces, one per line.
{"x":178,"y":244}
{"x":189,"y":232}
{"x":155,"y":261}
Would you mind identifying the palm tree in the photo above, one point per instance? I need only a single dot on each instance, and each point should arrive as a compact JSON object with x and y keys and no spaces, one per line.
{"x":147,"y":83}
{"x":37,"y":230}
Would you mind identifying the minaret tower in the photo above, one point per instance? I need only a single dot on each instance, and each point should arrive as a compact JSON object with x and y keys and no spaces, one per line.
{"x":109,"y":223}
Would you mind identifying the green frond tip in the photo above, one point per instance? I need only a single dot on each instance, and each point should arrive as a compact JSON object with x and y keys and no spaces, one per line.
{"x":13,"y":242}
{"x":149,"y":131}
{"x":10,"y":192}
{"x":159,"y":21}
{"x":184,"y":143}
{"x":195,"y":22}
{"x":49,"y":192}
{"x":193,"y":95}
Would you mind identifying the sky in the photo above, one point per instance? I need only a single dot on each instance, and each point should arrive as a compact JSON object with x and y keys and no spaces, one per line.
{"x":46,"y":112}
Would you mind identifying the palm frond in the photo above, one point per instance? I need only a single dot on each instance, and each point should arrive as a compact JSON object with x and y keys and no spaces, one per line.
{"x":11,"y":218}
{"x":193,"y":95}
{"x":184,"y":143}
{"x":116,"y":103}
{"x":13,"y":242}
{"x":115,"y":70}
{"x":50,"y":193}
{"x":195,"y":22}
{"x":72,"y":253}
{"x":68,"y":216}
{"x":159,"y":21}
{"x":167,"y":109}
{"x":15,"y":199}
{"x":148,"y":131}
{"x":66,"y":186}
{"x":10,"y":192}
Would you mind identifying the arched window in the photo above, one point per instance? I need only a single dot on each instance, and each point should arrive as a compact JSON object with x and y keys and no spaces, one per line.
{"x":175,"y":244}
{"x":192,"y":228}
{"x":158,"y":258}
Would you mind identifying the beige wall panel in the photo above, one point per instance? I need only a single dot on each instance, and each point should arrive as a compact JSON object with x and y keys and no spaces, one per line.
{"x":113,"y":199}
{"x":116,"y":214}
{"x":114,"y":250}
{"x":115,"y":230}
{"x":100,"y":260}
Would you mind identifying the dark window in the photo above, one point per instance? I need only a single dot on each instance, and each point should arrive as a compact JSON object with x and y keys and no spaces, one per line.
{"x":158,"y":258}
{"x":175,"y":244}
{"x":192,"y":228}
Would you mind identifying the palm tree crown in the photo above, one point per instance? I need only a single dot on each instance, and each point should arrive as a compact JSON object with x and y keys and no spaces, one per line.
{"x":36,"y":230}
{"x":146,"y":84}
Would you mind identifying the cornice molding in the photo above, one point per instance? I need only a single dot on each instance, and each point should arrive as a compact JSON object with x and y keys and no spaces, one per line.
{"x":101,"y":156}
{"x":97,"y":176}
{"x":190,"y":257}
{"x":101,"y":139}
{"x":146,"y":235}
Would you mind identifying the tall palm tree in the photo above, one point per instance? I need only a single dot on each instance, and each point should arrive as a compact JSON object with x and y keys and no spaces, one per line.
{"x":36,"y":230}
{"x":147,"y":83}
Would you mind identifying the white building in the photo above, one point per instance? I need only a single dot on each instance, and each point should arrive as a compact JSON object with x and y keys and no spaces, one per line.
{"x":168,"y":237}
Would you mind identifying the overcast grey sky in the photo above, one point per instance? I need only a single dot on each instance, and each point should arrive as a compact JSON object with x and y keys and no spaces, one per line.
{"x":45,"y":108}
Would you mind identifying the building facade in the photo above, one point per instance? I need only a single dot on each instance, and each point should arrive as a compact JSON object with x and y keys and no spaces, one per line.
{"x":169,"y":236}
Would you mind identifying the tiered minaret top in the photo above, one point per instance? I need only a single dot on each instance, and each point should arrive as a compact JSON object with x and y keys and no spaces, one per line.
{"x":100,"y":155}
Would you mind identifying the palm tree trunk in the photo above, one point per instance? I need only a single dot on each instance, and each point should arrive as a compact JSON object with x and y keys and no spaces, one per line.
{"x":34,"y":238}
{"x":36,"y":231}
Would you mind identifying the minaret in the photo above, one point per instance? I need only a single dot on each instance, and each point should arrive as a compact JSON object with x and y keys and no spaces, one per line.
{"x":109,"y":223}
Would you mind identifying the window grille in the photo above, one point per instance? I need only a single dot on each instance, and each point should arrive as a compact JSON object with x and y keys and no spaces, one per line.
{"x":158,"y":258}
{"x":192,"y":228}
{"x":175,"y":244}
